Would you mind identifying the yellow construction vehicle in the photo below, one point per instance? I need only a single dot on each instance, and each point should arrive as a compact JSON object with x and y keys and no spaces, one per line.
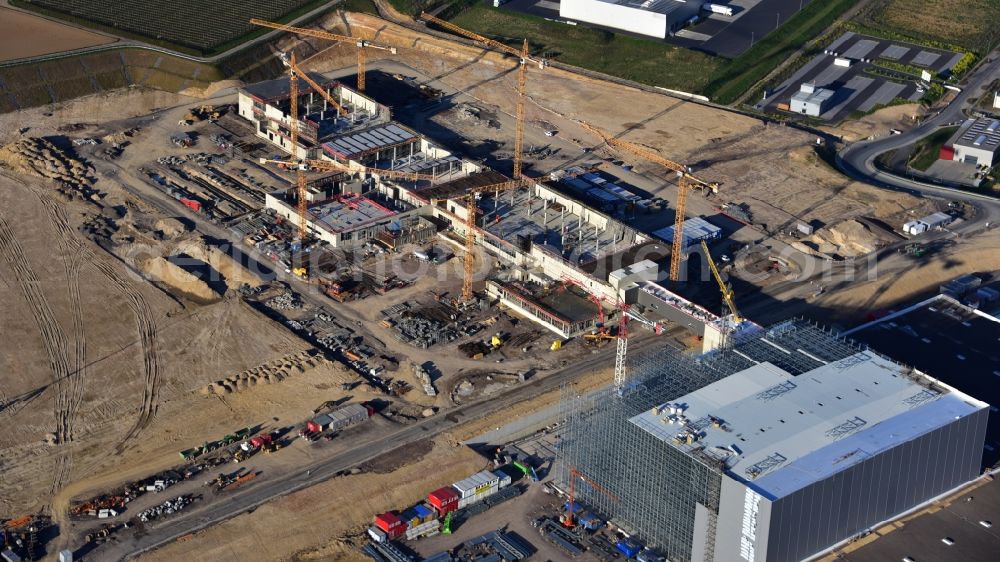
{"x":496,"y":341}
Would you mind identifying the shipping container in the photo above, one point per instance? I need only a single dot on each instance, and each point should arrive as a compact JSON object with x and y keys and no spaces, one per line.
{"x":410,"y":517}
{"x":261,"y":440}
{"x":503,"y":479}
{"x":478,"y":497}
{"x":628,"y":547}
{"x":391,"y":524}
{"x":424,"y":512}
{"x":444,"y":500}
{"x":476,"y":483}
{"x":348,"y":416}
{"x":378,"y":535}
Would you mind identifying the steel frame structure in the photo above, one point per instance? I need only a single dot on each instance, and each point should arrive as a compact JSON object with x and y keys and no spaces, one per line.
{"x":657,"y":487}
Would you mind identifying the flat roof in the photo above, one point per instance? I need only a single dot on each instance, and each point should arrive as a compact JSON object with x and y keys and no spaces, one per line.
{"x":949,"y":341}
{"x":982,"y":133}
{"x":359,"y":143}
{"x":695,"y":230}
{"x":656,"y":6}
{"x":652,"y":251}
{"x":819,"y":95}
{"x":277,"y":89}
{"x":780,"y":433}
{"x":919,"y":537}
{"x":463,"y":185}
{"x":348,"y":212}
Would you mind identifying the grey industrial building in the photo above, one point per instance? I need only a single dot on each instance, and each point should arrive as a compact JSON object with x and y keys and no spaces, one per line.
{"x":776,"y":447}
{"x":977,"y":141}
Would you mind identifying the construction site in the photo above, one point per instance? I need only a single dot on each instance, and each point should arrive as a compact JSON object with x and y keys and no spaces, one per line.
{"x":346,"y":278}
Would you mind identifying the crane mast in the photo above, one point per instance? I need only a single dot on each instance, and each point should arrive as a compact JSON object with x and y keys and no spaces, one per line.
{"x":685,"y":181}
{"x":524,"y":57}
{"x":359,"y":42}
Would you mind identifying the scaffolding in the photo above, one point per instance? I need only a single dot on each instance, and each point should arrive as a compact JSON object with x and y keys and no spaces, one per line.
{"x":655,"y":489}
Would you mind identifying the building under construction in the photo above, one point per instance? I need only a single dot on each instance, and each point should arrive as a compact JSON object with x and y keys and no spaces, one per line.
{"x":776,"y":447}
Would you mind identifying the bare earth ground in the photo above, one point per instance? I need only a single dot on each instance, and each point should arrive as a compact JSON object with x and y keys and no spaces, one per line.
{"x":106,"y":390}
{"x":901,"y":280}
{"x":120,"y":353}
{"x":323,"y":523}
{"x":879,"y":123}
{"x":20,"y":33}
{"x":771,"y":168}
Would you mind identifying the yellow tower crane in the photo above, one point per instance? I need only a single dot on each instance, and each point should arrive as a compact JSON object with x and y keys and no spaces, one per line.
{"x":727,"y":291}
{"x":360,"y":42}
{"x":470,"y":227}
{"x":524,"y":58}
{"x":685,"y":181}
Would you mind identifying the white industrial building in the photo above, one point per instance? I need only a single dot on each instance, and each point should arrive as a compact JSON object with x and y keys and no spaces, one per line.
{"x":808,"y":461}
{"x":930,"y":222}
{"x":810,"y":100}
{"x":977,"y":142}
{"x":652,"y":18}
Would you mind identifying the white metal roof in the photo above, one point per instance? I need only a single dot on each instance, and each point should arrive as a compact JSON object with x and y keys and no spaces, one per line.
{"x":695,"y":230}
{"x":781,"y":432}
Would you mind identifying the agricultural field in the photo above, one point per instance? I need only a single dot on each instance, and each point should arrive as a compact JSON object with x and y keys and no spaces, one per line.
{"x":17,"y":30}
{"x":64,"y":79}
{"x":970,"y":24}
{"x":192,"y":26}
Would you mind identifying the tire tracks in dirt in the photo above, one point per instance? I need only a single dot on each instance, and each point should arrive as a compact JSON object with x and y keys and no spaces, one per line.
{"x":145,"y":321}
{"x":53,"y":339}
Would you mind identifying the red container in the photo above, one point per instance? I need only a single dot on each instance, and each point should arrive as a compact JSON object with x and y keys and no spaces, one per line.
{"x":192,"y":204}
{"x":261,"y":440}
{"x":444,"y":500}
{"x":391,"y":524}
{"x":313,"y":427}
{"x":946,"y":153}
{"x":371,"y":409}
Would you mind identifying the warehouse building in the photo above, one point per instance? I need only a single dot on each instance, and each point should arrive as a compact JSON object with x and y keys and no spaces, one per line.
{"x":976,"y":142}
{"x":652,"y":18}
{"x":810,"y":100}
{"x":773,"y":449}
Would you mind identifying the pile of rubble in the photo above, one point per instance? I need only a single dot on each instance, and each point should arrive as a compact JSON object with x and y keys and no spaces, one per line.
{"x":268,"y":373}
{"x":417,"y":328}
{"x":166,"y":508}
{"x":285,"y":301}
{"x":39,"y":157}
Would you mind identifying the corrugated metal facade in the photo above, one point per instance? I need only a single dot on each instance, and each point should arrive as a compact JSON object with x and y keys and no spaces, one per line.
{"x":851,"y":501}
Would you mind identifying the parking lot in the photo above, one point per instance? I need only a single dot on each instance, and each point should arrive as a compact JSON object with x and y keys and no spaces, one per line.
{"x":858,"y":88}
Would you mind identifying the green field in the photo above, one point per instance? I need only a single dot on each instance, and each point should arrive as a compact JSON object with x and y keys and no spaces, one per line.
{"x":647,"y":61}
{"x":972,"y":25}
{"x":644,"y":61}
{"x":199,"y":27}
{"x":928,"y":148}
{"x":741,"y":73}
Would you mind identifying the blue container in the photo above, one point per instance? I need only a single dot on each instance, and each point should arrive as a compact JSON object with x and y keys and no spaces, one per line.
{"x":628,"y":547}
{"x":590,"y":521}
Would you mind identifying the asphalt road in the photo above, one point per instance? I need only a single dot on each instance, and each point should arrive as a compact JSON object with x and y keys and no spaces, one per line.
{"x":858,"y":159}
{"x":246,"y":499}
